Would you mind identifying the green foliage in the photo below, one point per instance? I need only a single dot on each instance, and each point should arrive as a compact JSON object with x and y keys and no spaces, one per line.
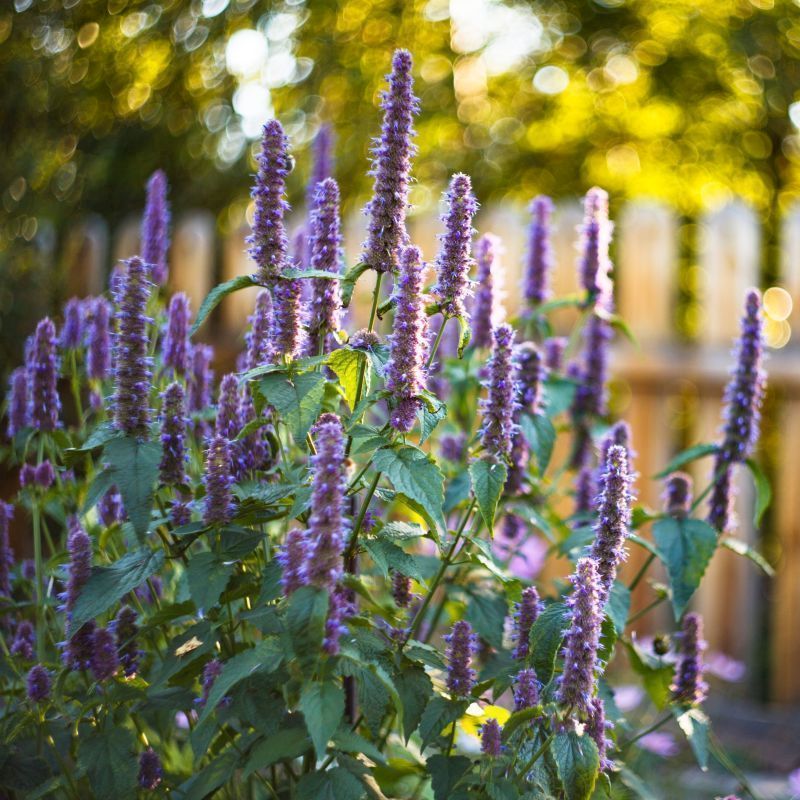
{"x":108,"y":757}
{"x":488,"y":479}
{"x":577,"y":760}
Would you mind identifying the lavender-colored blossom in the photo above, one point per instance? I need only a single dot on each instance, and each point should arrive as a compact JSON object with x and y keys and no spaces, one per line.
{"x":322,"y":162}
{"x":526,"y":689}
{"x":513,"y":527}
{"x":619,"y":434}
{"x":125,"y":632}
{"x":44,"y":404}
{"x":405,"y":371}
{"x":597,"y":728}
{"x":540,"y":252}
{"x":287,"y":322}
{"x":172,"y":469}
{"x":72,"y":330}
{"x":582,"y":638}
{"x":176,"y":347}
{"x":150,"y":770}
{"x":228,"y":423}
{"x":180,"y":513}
{"x":104,"y":662}
{"x":497,"y":410}
{"x":487,"y":311}
{"x":453,"y":446}
{"x":339,"y":607}
{"x":594,"y":265}
{"x":38,"y":684}
{"x":268,"y":243}
{"x":201,"y":379}
{"x":44,"y":475}
{"x":614,"y":519}
{"x":24,"y":641}
{"x":211,"y":671}
{"x":461,"y":646}
{"x":454,"y":261}
{"x":401,"y":589}
{"x":17,"y":402}
{"x":391,"y":160}
{"x":258,"y":338}
{"x":689,"y":688}
{"x":554,"y":349}
{"x":79,"y":547}
{"x":27,"y":476}
{"x":364,"y":339}
{"x":132,"y":371}
{"x":293,"y":558}
{"x":678,"y":495}
{"x":526,"y":611}
{"x":219,"y":507}
{"x":585,"y":491}
{"x":155,"y":228}
{"x":110,"y":508}
{"x":491,"y":738}
{"x":253,"y":450}
{"x":530,"y":376}
{"x":79,"y":649}
{"x":29,"y":569}
{"x":98,"y":338}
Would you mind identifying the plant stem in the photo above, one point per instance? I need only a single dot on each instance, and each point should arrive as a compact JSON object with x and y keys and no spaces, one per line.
{"x":436,"y":342}
{"x":39,"y":567}
{"x":645,"y":610}
{"x":527,"y":768}
{"x":640,"y":574}
{"x":351,"y":545}
{"x":654,"y":727}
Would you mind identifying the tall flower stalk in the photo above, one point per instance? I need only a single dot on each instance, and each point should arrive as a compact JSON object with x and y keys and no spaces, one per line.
{"x":44,"y":403}
{"x":540,"y":253}
{"x":497,"y":410}
{"x":155,"y":228}
{"x":487,"y":308}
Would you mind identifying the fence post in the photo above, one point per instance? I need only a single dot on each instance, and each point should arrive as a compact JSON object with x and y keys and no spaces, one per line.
{"x":86,"y":254}
{"x":192,"y":256}
{"x":236,"y":307}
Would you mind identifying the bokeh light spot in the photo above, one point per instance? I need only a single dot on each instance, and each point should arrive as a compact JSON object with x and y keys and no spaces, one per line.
{"x":777,"y":303}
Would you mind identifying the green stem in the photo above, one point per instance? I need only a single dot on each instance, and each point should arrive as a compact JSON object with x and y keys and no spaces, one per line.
{"x":646,"y":609}
{"x":436,"y":342}
{"x":719,"y":753}
{"x":527,"y":768}
{"x":654,"y":727}
{"x":640,"y":574}
{"x":351,"y":545}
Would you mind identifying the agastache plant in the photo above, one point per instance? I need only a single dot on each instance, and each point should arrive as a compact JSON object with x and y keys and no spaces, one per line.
{"x":259,"y":337}
{"x":497,"y":409}
{"x":44,"y":402}
{"x":155,"y":228}
{"x":689,"y":688}
{"x":72,"y":330}
{"x":487,"y":310}
{"x":461,"y":646}
{"x":176,"y":344}
{"x":98,"y":339}
{"x":17,"y":402}
{"x":540,"y":253}
{"x":172,"y":470}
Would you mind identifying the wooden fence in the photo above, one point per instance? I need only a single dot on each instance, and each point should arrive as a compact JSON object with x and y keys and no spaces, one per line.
{"x":669,"y":390}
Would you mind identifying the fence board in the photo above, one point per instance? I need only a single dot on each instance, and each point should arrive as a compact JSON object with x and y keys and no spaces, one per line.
{"x":191,"y":267}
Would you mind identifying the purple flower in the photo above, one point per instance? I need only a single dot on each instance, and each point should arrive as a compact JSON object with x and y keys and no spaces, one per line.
{"x":594,"y":265}
{"x":293,"y":558}
{"x":228,"y":423}
{"x":180,"y":513}
{"x":79,"y":649}
{"x":322,"y":163}
{"x":131,"y":360}
{"x":339,"y":607}
{"x":258,"y":338}
{"x":454,"y":260}
{"x":497,"y":410}
{"x":28,"y":569}
{"x":45,"y":475}
{"x":585,"y":491}
{"x":491,"y":738}
{"x":150,"y":771}
{"x":662,"y":744}
{"x":405,"y":371}
{"x":125,"y":632}
{"x":17,"y":402}
{"x":218,"y":480}
{"x":582,"y":638}
{"x":614,"y":519}
{"x":201,"y":378}
{"x":44,"y":404}
{"x":253,"y":450}
{"x":364,"y":339}
{"x":391,"y":159}
{"x":688,"y":687}
{"x":104,"y":661}
{"x":287,"y":323}
{"x":268,"y":242}
{"x":554,"y":348}
{"x":530,"y":376}
{"x":525,"y":614}
{"x":401,"y":589}
{"x":172,"y":470}
{"x":27,"y":476}
{"x":38,"y":683}
{"x":540,"y":252}
{"x":526,"y":689}
{"x":597,"y":727}
{"x":24,"y":641}
{"x":513,"y":527}
{"x":155,"y":228}
{"x":487,"y":311}
{"x":678,"y":495}
{"x":461,"y":646}
{"x":176,"y":347}
{"x":110,"y":509}
{"x":453,"y":446}
{"x":211,"y":671}
{"x":79,"y":547}
{"x":98,"y":339}
{"x":72,"y":330}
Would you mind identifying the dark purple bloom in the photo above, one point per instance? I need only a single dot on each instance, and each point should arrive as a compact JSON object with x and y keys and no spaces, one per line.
{"x":287,"y":323}
{"x":491,"y":738}
{"x":585,"y":491}
{"x":391,"y":160}
{"x":176,"y":347}
{"x":172,"y":470}
{"x":110,"y":509}
{"x":497,"y":410}
{"x":453,"y":446}
{"x":38,"y":684}
{"x":339,"y":607}
{"x":454,"y":261}
{"x":322,"y":163}
{"x":104,"y":661}
{"x":405,"y":371}
{"x":72,"y":330}
{"x":253,"y":450}
{"x":155,"y":228}
{"x":131,"y":359}
{"x":180,"y":513}
{"x":486,"y":307}
{"x":44,"y":475}
{"x":98,"y":339}
{"x":258,"y":339}
{"x":461,"y":646}
{"x":689,"y":688}
{"x":513,"y":527}
{"x":79,"y":546}
{"x":597,"y":727}
{"x":17,"y":402}
{"x":525,"y":614}
{"x":526,"y":689}
{"x":540,"y":252}
{"x":678,"y":495}
{"x":28,"y":569}
{"x":594,"y":265}
{"x":554,"y":348}
{"x":201,"y":379}
{"x":24,"y":641}
{"x":79,"y":649}
{"x":268,"y":242}
{"x":364,"y":339}
{"x":150,"y":771}
{"x":401,"y":589}
{"x":6,"y":551}
{"x":619,"y":434}
{"x":293,"y":558}
{"x":211,"y":671}
{"x":582,"y":638}
{"x":228,"y":423}
{"x":44,"y":404}
{"x":530,"y":376}
{"x":125,"y":633}
{"x":27,"y":476}
{"x":218,"y":480}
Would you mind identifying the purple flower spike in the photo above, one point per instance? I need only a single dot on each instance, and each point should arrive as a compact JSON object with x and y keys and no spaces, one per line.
{"x":44,"y":404}
{"x":594,"y":266}
{"x":689,"y":687}
{"x":408,"y":345}
{"x":79,"y":546}
{"x":287,"y":325}
{"x":453,"y":446}
{"x":461,"y":646}
{"x":540,"y":252}
{"x":526,"y":689}
{"x":554,"y":349}
{"x":104,"y":662}
{"x":253,"y":450}
{"x":401,"y":589}
{"x":678,"y":495}
{"x":79,"y":649}
{"x":6,"y":552}
{"x":155,"y":228}
{"x":17,"y":402}
{"x":322,"y":164}
{"x":597,"y":727}
{"x":491,"y":738}
{"x":176,"y":346}
{"x":585,"y":491}
{"x":150,"y":771}
{"x":173,"y":436}
{"x":497,"y":431}
{"x":45,"y":475}
{"x":211,"y":671}
{"x":268,"y":243}
{"x":98,"y":339}
{"x":24,"y":641}
{"x":293,"y":558}
{"x":577,"y":682}
{"x":110,"y":509}
{"x":530,"y":376}
{"x":131,"y":360}
{"x":487,"y":311}
{"x":526,"y":613}
{"x":391,"y":159}
{"x":125,"y":633}
{"x":201,"y":379}
{"x":72,"y":330}
{"x":258,"y":338}
{"x":228,"y":423}
{"x":339,"y":607}
{"x":614,"y":519}
{"x":454,"y":261}
{"x":219,"y":506}
{"x":38,"y":684}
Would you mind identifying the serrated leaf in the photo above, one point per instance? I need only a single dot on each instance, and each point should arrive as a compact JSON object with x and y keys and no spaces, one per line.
{"x":686,"y":457}
{"x":695,"y":726}
{"x":424,"y":653}
{"x":540,"y":435}
{"x":488,"y":478}
{"x":743,"y":549}
{"x":430,"y":419}
{"x":305,"y":621}
{"x":288,"y":743}
{"x":349,"y":742}
{"x":334,"y":784}
{"x":366,"y":438}
{"x":545,"y":639}
{"x":402,"y":531}
{"x":763,"y":491}
{"x":109,"y":759}
{"x":297,"y":399}
{"x":446,"y":772}
{"x":210,"y":778}
{"x":578,"y":763}
{"x":388,"y":556}
{"x":618,"y":606}
{"x":487,"y":612}
{"x":349,"y":281}
{"x":520,"y":719}
{"x":415,"y":689}
{"x":322,"y":705}
{"x":348,"y":364}
{"x":208,"y":576}
{"x":219,"y":292}
{"x":439,"y":713}
{"x":375,"y":688}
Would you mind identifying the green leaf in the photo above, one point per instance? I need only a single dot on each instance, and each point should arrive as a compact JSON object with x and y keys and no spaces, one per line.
{"x":322,"y":705}
{"x":106,"y":585}
{"x":210,"y":778}
{"x":334,"y":784}
{"x":519,"y":719}
{"x":425,"y":654}
{"x":401,"y":531}
{"x":415,"y":476}
{"x":763,"y":490}
{"x":656,"y":673}
{"x":446,"y":772}
{"x":109,"y":759}
{"x":305,"y":620}
{"x":24,"y":773}
{"x":578,"y":763}
{"x":637,"y":785}
{"x":540,"y":435}
{"x":429,"y":419}
{"x":464,"y":334}
{"x":297,"y":399}
{"x":693,"y":453}
{"x":295,"y":274}
{"x":349,"y":742}
{"x":439,"y":713}
{"x":104,"y":432}
{"x":348,"y":365}
{"x":545,"y":639}
{"x":208,"y":576}
{"x":686,"y":547}
{"x":619,"y":605}
{"x":214,"y":297}
{"x":134,"y":468}
{"x":388,"y":556}
{"x":487,"y":612}
{"x":415,"y":689}
{"x":743,"y":549}
{"x":558,"y":395}
{"x":458,"y":490}
{"x":286,"y":744}
{"x":102,"y":482}
{"x":349,"y":282}
{"x":488,"y":479}
{"x":695,"y":726}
